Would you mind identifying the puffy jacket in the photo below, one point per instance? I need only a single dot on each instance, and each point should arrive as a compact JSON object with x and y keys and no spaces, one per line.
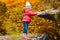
{"x":27,"y":15}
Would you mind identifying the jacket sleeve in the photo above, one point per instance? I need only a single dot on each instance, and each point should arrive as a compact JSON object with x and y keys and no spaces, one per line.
{"x":28,"y":12}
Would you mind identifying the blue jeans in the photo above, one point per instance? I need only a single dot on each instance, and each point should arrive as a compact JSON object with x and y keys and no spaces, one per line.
{"x":25,"y":24}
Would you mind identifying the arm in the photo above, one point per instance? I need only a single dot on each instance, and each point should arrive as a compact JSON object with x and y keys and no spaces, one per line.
{"x":32,"y":13}
{"x":28,"y":12}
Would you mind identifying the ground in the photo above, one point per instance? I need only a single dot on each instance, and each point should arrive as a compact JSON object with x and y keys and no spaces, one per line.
{"x":19,"y":37}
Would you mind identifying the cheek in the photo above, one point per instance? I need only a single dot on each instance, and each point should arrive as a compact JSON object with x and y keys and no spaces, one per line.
{"x":29,"y":7}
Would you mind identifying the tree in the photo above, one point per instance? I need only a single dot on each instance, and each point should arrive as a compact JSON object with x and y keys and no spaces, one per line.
{"x":3,"y":8}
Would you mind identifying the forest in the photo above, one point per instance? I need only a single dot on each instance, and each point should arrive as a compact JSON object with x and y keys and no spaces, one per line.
{"x":11,"y":14}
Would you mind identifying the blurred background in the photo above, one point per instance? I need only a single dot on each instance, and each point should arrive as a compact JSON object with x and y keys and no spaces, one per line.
{"x":11,"y":13}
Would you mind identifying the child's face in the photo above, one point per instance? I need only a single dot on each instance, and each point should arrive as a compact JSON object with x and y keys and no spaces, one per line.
{"x":29,"y":7}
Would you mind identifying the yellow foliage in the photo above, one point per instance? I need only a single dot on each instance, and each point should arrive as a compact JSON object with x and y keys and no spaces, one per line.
{"x":12,"y":21}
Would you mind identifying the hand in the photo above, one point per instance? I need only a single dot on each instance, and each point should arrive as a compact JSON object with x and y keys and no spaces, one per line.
{"x":41,"y":13}
{"x":46,"y":11}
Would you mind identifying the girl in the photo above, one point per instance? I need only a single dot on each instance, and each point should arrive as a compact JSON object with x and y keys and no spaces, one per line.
{"x":27,"y":17}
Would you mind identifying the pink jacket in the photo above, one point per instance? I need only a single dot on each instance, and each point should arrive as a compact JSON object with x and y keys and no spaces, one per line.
{"x":27,"y":15}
